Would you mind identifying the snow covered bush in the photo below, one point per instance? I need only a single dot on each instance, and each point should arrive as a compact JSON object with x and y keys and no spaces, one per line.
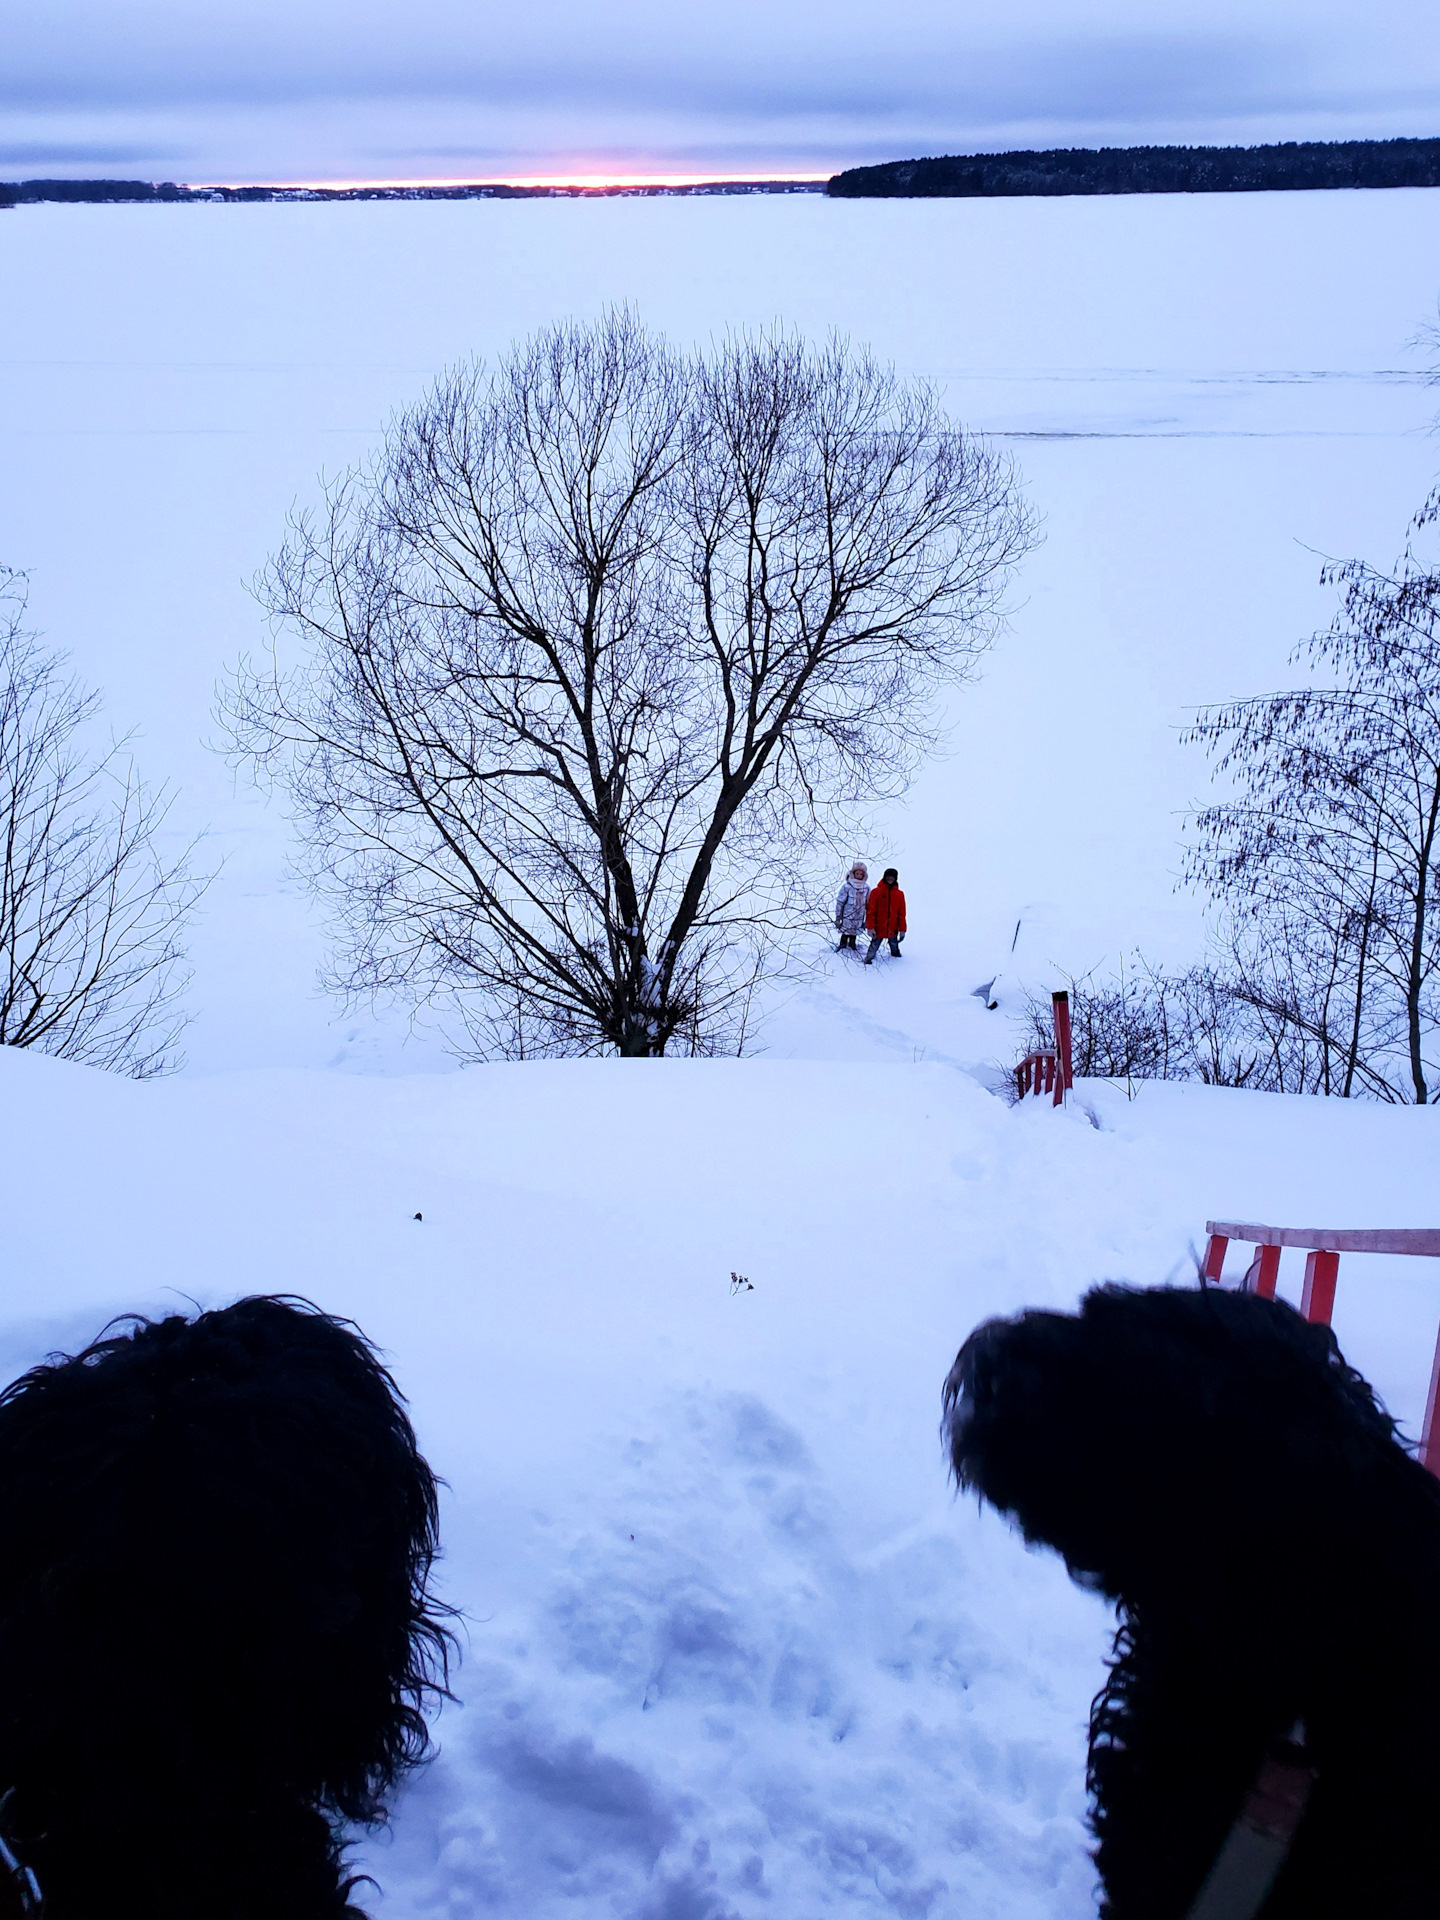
{"x":1141,"y":1023}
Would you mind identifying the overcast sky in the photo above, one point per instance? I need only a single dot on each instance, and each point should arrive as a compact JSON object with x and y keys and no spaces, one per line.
{"x":228,"y":90}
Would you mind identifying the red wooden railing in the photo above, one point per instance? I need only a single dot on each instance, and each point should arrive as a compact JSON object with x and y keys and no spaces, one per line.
{"x":1047,"y":1069}
{"x":1323,"y":1248}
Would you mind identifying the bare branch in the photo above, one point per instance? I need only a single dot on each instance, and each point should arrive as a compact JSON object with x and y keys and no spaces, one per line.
{"x":91,"y":915}
{"x":1327,"y":848}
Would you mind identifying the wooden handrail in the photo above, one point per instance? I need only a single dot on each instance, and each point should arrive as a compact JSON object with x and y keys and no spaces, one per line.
{"x":1323,"y":1247}
{"x":1421,"y":1240}
{"x":1048,"y":1069}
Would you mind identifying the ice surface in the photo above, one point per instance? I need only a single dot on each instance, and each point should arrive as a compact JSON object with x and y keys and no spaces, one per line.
{"x":1203,"y":392}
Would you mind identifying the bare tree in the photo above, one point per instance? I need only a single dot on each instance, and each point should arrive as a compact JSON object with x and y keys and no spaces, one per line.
{"x":91,"y":915}
{"x":1330,"y":846}
{"x":597,"y":656}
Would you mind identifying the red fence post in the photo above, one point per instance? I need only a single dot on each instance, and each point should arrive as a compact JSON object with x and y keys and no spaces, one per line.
{"x":1429,"y":1438}
{"x":1317,"y":1301}
{"x":1064,"y":1079}
{"x":1323,"y":1248}
{"x":1263,"y":1272}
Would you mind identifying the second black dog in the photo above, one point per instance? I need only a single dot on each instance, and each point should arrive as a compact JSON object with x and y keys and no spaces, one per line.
{"x":1210,"y":1462}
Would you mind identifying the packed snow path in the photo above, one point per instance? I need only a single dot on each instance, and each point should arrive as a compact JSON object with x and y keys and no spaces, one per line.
{"x":732,"y":1647}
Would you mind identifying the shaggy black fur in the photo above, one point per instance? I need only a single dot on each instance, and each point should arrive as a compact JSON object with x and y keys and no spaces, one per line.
{"x":215,"y":1635}
{"x":1210,"y":1462}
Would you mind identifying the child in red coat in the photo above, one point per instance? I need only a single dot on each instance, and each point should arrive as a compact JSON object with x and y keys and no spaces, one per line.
{"x":885,"y":915}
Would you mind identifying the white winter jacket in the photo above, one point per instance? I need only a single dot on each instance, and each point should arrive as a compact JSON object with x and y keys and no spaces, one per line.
{"x":850,"y":906}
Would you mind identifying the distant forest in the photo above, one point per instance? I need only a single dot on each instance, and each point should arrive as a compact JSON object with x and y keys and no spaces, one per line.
{"x":28,"y":192}
{"x":1296,"y":166}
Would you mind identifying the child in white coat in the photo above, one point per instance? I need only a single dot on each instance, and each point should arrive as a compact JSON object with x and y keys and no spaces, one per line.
{"x":850,"y":906}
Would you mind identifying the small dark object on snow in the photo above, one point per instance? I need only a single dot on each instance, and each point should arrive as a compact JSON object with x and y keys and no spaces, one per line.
{"x":419,"y":1216}
{"x":1210,"y":1462}
{"x":739,"y":1284}
{"x":985,"y":993}
{"x":216,"y":1635}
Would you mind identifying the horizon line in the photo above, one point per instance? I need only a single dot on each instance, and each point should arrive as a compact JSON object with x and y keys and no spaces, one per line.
{"x":716,"y":178}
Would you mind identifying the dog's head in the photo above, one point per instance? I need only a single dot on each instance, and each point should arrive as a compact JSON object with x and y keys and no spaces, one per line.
{"x":216,"y":1537}
{"x":1163,"y":1434}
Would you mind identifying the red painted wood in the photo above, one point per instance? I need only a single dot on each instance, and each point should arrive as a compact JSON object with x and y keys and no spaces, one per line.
{"x":1322,"y":1270}
{"x":1263,"y":1272}
{"x":1215,"y":1256}
{"x":1060,"y":1002}
{"x":1429,"y":1438}
{"x":1324,"y":1246}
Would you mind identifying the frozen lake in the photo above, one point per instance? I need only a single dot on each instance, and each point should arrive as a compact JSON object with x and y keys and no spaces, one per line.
{"x":731,"y":1645}
{"x":1203,"y":393}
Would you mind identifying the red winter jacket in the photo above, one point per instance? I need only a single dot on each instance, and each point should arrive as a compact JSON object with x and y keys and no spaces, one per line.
{"x":885,"y":911}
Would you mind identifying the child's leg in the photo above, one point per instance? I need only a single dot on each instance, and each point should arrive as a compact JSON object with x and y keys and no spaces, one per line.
{"x":875,"y":939}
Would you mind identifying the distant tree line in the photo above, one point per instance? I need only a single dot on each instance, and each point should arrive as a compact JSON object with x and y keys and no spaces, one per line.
{"x":18,"y":192}
{"x":29,"y":192}
{"x":1292,"y":166}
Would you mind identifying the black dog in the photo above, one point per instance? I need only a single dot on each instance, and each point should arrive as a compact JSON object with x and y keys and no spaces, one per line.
{"x":1210,"y":1462}
{"x":216,"y":1639}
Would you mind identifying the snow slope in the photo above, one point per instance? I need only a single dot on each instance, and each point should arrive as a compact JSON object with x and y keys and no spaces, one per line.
{"x":1201,"y":391}
{"x":732,"y":1646}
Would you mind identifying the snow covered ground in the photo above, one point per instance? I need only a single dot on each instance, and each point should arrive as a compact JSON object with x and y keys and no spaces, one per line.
{"x":1202,"y":391}
{"x":733,"y":1648}
{"x":732,"y":1645}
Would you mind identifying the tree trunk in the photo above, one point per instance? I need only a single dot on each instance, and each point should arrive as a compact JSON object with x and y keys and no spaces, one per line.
{"x":1415,"y":980}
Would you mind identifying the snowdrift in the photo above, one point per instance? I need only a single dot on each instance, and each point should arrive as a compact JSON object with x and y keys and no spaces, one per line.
{"x":732,"y":1646}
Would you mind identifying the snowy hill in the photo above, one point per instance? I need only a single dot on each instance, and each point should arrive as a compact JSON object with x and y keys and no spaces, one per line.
{"x":733,"y":1647}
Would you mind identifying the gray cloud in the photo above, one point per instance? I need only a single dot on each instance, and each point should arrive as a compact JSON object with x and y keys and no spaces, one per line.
{"x":1096,"y":76}
{"x":79,"y":154}
{"x":270,"y":89}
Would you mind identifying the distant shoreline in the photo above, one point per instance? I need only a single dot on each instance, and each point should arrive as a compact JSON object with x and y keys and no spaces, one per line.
{"x":1288,"y":167}
{"x":166,"y":192}
{"x":1292,"y":167}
